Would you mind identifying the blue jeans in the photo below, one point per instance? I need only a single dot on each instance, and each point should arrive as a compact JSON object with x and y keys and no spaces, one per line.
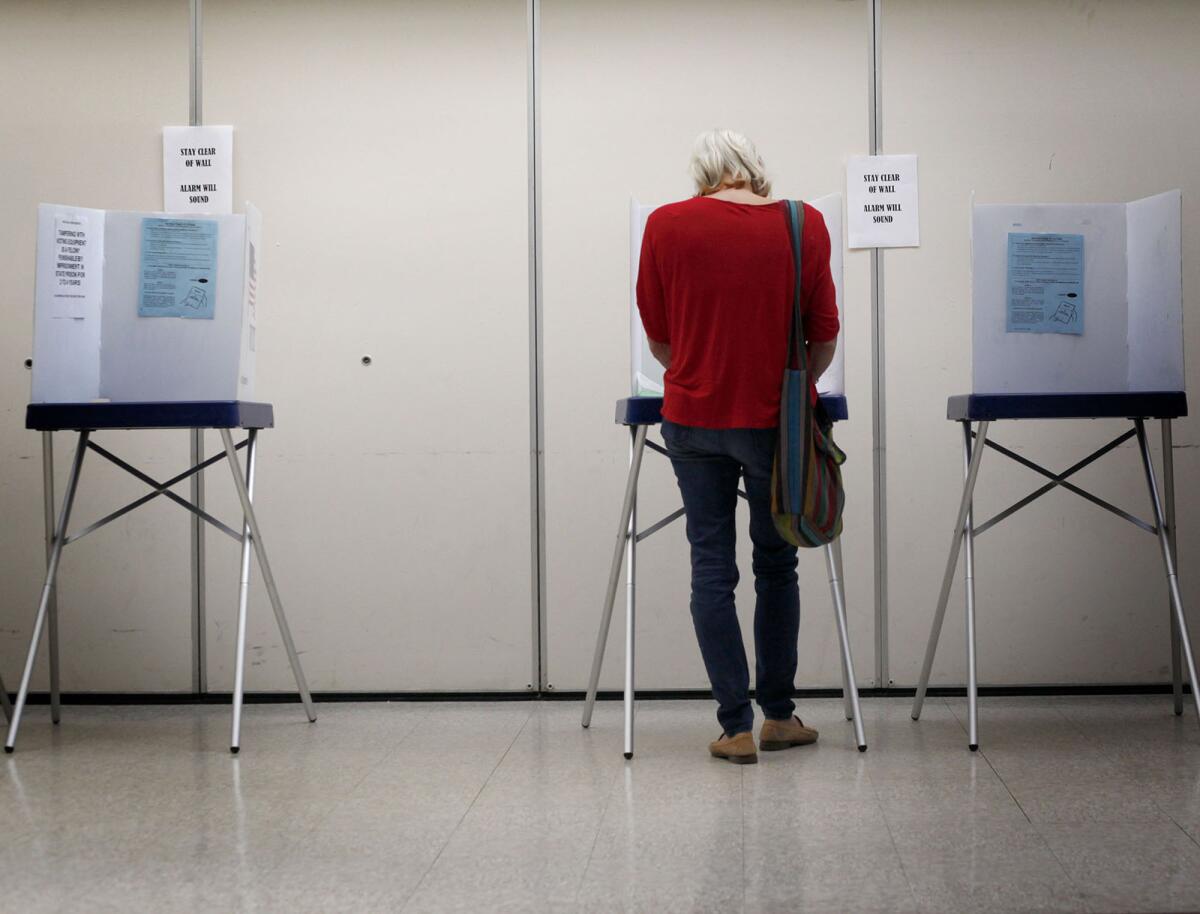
{"x":709,"y":464}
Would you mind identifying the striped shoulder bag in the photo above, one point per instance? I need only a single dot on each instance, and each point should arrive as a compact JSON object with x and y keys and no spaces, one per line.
{"x":806,"y":481}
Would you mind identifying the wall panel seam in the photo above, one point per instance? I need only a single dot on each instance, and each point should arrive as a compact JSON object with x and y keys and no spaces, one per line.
{"x":878,"y":398}
{"x":537,"y":465}
{"x":196,"y":436}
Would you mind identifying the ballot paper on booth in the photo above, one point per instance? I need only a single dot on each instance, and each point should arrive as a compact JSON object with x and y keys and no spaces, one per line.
{"x":1123,"y":329}
{"x":102,"y":348}
{"x":648,"y":373}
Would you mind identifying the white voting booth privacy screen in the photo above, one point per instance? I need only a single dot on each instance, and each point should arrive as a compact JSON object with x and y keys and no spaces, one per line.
{"x":648,"y":373}
{"x":97,"y":273}
{"x":1132,"y":300}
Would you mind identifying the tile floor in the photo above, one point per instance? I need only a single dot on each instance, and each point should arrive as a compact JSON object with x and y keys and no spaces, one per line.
{"x":1073,"y":804}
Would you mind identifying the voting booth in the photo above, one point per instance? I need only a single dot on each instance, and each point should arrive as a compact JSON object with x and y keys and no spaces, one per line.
{"x":1126,"y":331}
{"x":109,"y":284}
{"x":147,"y":320}
{"x":1077,"y":313}
{"x":643,"y":410}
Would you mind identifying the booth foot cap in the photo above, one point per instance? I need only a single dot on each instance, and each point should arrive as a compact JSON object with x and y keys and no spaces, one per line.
{"x":628,"y":755}
{"x":974,"y":747}
{"x":235,"y":749}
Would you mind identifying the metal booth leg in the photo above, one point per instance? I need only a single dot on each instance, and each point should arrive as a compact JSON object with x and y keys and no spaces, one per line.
{"x":251,"y":521}
{"x":1168,"y":459}
{"x":239,"y":675}
{"x":835,"y":589}
{"x":1168,"y":560}
{"x":60,"y":531}
{"x":833,"y":562}
{"x":969,"y":587}
{"x":52,"y":610}
{"x":630,"y":611}
{"x":614,"y":574}
{"x":939,"y":615}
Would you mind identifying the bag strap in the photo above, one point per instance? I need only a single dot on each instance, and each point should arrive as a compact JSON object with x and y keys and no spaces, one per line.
{"x":797,"y":352}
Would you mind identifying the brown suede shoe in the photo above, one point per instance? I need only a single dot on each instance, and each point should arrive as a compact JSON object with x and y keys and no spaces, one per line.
{"x":783,"y":734}
{"x":738,"y":748}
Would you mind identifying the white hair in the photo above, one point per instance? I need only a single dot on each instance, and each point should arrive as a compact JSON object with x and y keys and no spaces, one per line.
{"x":726,"y":157}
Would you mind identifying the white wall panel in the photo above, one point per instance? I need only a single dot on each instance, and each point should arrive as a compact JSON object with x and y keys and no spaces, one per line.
{"x":87,"y":88}
{"x":1029,"y":102}
{"x":386,"y":146}
{"x":625,"y":89}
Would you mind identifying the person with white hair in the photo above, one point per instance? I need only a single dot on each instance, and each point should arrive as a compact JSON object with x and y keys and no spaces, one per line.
{"x":715,"y":286}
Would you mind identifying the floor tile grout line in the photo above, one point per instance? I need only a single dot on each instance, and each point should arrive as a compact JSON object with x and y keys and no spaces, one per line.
{"x":982,"y":752}
{"x":1066,"y":872}
{"x":307,"y":833}
{"x":450,"y":837}
{"x":742,"y":804}
{"x":321,"y":820}
{"x":1037,"y":830}
{"x":912,"y":891}
{"x":1004,"y":784}
{"x":1041,"y":837}
{"x":599,"y":827}
{"x":596,"y":837}
{"x":1177,"y":823}
{"x":1056,"y":704}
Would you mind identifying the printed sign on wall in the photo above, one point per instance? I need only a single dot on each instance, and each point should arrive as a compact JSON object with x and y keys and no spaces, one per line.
{"x":198,"y":169}
{"x":881,"y":202}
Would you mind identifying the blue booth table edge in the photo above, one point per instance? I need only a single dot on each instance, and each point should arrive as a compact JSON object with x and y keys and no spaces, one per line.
{"x":648,"y":410}
{"x":53,"y":417}
{"x":1159,"y":404}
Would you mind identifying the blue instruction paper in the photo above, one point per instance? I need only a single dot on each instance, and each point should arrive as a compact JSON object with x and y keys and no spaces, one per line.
{"x":1045,"y":283}
{"x":179,"y":268}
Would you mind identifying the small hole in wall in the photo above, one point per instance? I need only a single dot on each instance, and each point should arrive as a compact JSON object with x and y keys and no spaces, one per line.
{"x":366,"y":360}
{"x":29,"y":363}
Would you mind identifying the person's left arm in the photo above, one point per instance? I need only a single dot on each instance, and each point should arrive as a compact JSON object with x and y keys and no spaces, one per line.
{"x":651,"y":300}
{"x":821,"y":322}
{"x":820,"y":357}
{"x":661,"y":351}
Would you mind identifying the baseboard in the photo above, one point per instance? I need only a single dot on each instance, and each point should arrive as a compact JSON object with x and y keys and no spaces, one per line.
{"x":217,"y":698}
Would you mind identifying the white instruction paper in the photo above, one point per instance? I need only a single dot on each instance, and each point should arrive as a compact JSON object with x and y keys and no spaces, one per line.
{"x":198,"y":170}
{"x":1045,"y":283}
{"x":178,"y":268}
{"x":78,"y":265}
{"x":881,"y":202}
